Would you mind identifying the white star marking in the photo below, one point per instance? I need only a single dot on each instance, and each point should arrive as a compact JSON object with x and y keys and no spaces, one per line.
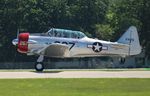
{"x":97,"y":47}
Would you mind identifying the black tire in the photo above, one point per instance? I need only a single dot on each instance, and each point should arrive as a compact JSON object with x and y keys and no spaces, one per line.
{"x":122,"y":60}
{"x":39,"y":66}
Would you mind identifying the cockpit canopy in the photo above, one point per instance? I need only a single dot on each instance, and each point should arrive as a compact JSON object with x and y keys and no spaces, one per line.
{"x":53,"y":32}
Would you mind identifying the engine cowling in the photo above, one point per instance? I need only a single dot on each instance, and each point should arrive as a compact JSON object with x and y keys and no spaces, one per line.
{"x":23,"y":42}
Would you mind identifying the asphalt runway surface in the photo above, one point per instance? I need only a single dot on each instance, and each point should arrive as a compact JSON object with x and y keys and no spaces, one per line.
{"x":76,"y":74}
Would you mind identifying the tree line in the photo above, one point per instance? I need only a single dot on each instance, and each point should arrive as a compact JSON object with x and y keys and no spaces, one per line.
{"x":102,"y":19}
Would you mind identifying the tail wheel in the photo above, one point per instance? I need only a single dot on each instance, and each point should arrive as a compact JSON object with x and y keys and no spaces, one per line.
{"x":39,"y":66}
{"x":122,"y":60}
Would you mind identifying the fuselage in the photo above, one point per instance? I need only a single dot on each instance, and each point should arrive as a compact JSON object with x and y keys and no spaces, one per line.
{"x":79,"y":47}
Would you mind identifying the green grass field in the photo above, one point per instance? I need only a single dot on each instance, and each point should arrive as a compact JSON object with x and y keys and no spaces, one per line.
{"x":75,"y":87}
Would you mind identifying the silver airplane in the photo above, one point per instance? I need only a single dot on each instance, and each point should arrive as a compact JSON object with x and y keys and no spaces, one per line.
{"x":62,"y":43}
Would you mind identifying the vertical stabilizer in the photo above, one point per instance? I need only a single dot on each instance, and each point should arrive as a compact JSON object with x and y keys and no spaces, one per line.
{"x":131,"y":37}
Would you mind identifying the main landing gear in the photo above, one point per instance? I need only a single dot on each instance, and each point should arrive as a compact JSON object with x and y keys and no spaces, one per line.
{"x":39,"y":66}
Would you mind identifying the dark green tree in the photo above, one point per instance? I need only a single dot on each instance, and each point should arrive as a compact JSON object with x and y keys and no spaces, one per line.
{"x":123,"y":14}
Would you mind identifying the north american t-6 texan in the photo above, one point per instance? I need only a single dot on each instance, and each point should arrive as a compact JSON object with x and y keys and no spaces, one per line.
{"x":62,"y":43}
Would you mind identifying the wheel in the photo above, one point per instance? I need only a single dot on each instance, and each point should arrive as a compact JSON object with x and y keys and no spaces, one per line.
{"x":122,"y":60}
{"x":39,"y":66}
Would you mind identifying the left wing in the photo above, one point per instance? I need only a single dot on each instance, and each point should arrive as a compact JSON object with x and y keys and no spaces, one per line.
{"x":54,"y":50}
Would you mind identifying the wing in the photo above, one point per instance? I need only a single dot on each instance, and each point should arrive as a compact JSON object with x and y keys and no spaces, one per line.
{"x":54,"y":50}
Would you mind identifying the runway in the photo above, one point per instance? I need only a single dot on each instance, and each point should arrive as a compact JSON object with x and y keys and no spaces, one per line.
{"x":76,"y":74}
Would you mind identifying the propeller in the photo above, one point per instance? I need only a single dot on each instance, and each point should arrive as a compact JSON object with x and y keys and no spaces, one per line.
{"x":15,"y":42}
{"x":17,"y":33}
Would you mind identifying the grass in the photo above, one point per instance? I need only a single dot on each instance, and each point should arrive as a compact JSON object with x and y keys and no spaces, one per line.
{"x":147,"y":69}
{"x":75,"y":87}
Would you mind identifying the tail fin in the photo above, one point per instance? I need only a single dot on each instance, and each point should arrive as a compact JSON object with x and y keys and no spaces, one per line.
{"x":131,"y":37}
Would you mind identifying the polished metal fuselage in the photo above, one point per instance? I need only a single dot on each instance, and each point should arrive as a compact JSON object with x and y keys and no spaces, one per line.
{"x":83,"y":47}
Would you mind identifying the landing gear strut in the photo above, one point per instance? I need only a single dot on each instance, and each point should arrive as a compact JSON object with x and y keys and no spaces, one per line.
{"x":39,"y":66}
